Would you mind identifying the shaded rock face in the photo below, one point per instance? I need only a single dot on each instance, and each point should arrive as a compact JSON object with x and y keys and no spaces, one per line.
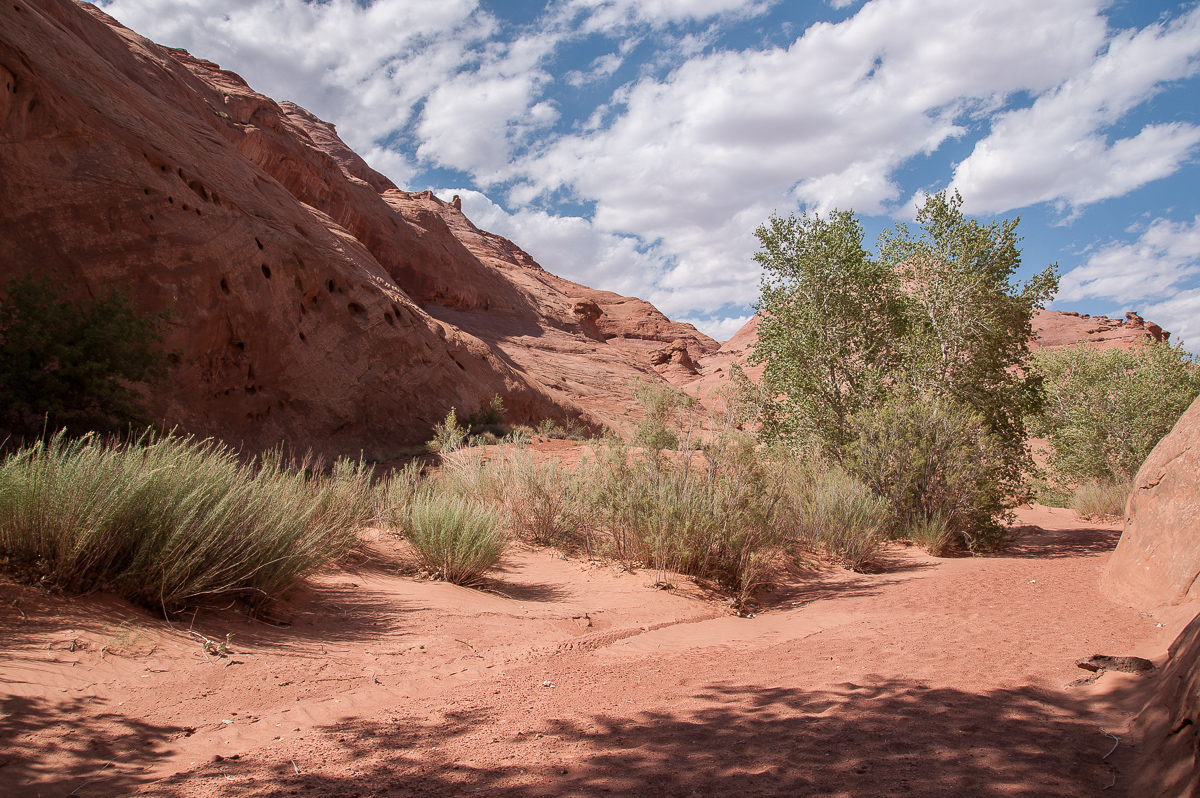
{"x":1168,"y":729}
{"x":1157,"y":561}
{"x":317,"y":304}
{"x":1156,"y":567}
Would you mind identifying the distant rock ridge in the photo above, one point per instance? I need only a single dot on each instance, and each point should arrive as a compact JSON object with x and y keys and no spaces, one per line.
{"x":318,"y":304}
{"x":1052,"y":329}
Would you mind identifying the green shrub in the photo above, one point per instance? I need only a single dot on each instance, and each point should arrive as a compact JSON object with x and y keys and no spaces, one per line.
{"x":449,"y":435}
{"x":840,"y":517}
{"x":710,"y":516}
{"x":665,"y":411}
{"x":456,"y":538}
{"x":936,"y":460}
{"x":1101,"y":499}
{"x":1107,"y":409}
{"x":169,"y":521}
{"x":540,"y":500}
{"x":66,"y":364}
{"x":934,"y":533}
{"x":395,"y":492}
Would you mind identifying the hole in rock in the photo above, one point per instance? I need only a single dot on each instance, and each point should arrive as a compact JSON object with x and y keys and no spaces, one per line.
{"x":329,"y":285}
{"x":388,"y":318}
{"x":224,"y":286}
{"x":241,"y":346}
{"x":356,"y":309}
{"x":302,"y":338}
{"x":266,"y":271}
{"x":171,"y":200}
{"x":256,"y":241}
{"x":146,"y":191}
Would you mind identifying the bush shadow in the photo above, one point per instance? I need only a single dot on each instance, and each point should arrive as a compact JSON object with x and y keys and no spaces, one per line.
{"x":884,"y":737}
{"x":59,"y":748}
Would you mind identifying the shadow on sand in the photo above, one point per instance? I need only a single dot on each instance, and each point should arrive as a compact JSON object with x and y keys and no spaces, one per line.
{"x":880,"y":738}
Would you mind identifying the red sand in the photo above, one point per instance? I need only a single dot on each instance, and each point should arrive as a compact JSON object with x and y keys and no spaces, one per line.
{"x":934,"y":677}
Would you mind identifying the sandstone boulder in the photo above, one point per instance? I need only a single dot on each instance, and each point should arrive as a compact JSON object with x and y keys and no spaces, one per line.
{"x":1157,"y":561}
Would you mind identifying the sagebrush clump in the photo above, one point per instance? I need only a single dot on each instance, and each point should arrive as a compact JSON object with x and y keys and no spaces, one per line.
{"x":169,"y":521}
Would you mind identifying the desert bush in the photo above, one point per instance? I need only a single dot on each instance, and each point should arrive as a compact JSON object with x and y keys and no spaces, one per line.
{"x":395,"y":492}
{"x":66,"y":364}
{"x":448,"y":435}
{"x":540,"y":501}
{"x":168,"y":521}
{"x":841,"y":517}
{"x":1101,"y":499}
{"x":456,"y":538}
{"x":665,"y":415}
{"x":934,"y":533}
{"x":936,"y":460}
{"x":710,"y":517}
{"x":549,"y":428}
{"x":1107,"y":409}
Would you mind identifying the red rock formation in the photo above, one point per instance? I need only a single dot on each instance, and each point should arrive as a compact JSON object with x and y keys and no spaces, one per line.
{"x":1157,"y":562}
{"x":1156,"y":568}
{"x":318,"y":304}
{"x":1054,"y":329}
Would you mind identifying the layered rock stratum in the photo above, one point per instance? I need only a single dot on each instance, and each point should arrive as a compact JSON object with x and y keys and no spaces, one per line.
{"x":316,"y":303}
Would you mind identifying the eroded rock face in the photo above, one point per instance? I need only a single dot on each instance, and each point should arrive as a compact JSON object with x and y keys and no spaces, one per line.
{"x":297,"y":284}
{"x":1157,"y":561}
{"x":1168,"y":729}
{"x":1054,"y":329}
{"x":317,"y":303}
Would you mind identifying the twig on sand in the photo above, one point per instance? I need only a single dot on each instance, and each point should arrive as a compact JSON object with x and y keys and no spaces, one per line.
{"x":1115,"y":744}
{"x":373,"y":679}
{"x":295,"y":768}
{"x":16,"y":605}
{"x":93,"y":778}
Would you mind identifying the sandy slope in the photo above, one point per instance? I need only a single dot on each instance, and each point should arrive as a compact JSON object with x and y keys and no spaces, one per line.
{"x":934,"y":677}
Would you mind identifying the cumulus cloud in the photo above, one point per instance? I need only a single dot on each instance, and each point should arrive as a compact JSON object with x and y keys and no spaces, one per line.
{"x":1180,"y":315}
{"x":695,"y":160}
{"x":364,"y":67}
{"x":1159,"y":268}
{"x":1165,"y":255}
{"x":1058,"y":149}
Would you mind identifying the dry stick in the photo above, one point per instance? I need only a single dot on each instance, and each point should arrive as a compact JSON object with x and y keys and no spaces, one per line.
{"x":295,"y":768}
{"x":1114,"y":748}
{"x":89,"y":781}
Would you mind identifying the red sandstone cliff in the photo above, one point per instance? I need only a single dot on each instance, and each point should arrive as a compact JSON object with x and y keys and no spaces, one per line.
{"x":317,"y":303}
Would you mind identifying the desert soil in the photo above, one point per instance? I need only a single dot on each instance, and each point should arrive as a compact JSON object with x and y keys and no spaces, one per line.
{"x":572,"y":678}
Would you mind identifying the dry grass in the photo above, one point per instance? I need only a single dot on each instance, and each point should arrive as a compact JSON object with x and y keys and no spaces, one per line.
{"x":168,"y":521}
{"x":1101,"y":500}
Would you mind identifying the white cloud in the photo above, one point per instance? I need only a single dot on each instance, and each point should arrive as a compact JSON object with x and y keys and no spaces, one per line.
{"x":1180,"y":314}
{"x":365,"y":68}
{"x":1155,"y":275}
{"x":696,"y":160}
{"x":717,"y":328}
{"x":1058,"y":149}
{"x":1165,"y":255}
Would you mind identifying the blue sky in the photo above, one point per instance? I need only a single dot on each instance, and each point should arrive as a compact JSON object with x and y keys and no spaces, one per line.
{"x":636,"y":146}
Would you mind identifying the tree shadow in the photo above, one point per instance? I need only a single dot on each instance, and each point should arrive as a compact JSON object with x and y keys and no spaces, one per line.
{"x":60,"y":748}
{"x":885,"y":737}
{"x":1053,"y":544}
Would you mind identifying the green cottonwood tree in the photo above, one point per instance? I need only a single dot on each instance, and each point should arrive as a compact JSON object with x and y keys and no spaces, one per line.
{"x":829,"y":328}
{"x":935,"y":324}
{"x":1107,"y":409}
